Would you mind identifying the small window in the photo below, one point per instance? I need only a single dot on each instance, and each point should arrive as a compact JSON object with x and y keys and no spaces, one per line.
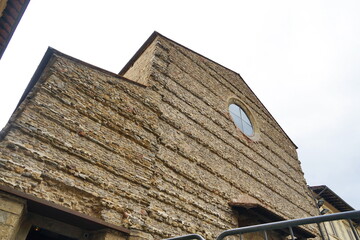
{"x":241,"y":119}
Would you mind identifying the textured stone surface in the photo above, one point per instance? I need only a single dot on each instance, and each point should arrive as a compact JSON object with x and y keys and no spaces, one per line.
{"x":10,"y":205}
{"x":162,"y":159}
{"x":11,"y":212}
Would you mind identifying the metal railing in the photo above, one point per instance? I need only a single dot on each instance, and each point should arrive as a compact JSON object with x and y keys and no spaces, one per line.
{"x":288,"y":224}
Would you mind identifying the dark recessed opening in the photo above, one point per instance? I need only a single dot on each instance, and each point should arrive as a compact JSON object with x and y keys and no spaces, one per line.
{"x":37,"y":233}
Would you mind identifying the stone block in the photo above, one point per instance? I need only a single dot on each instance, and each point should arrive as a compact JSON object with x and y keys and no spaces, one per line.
{"x":11,"y":205}
{"x":108,"y":235}
{"x":8,"y":218}
{"x":139,"y":235}
{"x":5,"y":232}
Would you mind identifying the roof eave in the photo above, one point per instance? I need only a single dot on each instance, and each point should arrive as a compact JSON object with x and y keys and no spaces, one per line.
{"x":3,"y":20}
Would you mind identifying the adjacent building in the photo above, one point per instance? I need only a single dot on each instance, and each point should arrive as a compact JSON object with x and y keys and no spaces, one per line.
{"x":173,"y":144}
{"x":329,"y":202}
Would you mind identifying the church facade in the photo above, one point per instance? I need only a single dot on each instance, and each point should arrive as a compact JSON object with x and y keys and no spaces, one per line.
{"x":173,"y":144}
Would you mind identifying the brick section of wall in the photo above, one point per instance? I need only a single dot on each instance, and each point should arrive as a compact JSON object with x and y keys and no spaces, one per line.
{"x":164,"y":159}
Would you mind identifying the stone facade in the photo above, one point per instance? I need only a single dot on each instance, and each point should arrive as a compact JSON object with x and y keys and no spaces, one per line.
{"x":153,"y":150}
{"x":11,"y":213}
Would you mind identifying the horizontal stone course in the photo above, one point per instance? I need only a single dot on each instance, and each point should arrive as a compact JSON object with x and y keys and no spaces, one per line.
{"x":231,"y":83}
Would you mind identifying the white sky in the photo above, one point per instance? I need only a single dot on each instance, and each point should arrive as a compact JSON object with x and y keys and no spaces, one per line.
{"x":301,"y":58}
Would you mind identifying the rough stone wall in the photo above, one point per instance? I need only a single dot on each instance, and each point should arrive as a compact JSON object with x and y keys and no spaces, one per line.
{"x":11,"y":213}
{"x":162,"y":159}
{"x":195,"y":97}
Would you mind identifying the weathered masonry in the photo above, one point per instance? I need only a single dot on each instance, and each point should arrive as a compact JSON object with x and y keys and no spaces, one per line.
{"x":174,"y":144}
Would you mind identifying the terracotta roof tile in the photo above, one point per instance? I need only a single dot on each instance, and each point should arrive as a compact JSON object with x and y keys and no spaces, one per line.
{"x":3,"y":33}
{"x":6,"y":26}
{"x":17,"y":5}
{"x":12,"y":11}
{"x":9,"y":20}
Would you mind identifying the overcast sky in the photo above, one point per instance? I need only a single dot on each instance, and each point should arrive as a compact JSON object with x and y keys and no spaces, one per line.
{"x":301,"y":58}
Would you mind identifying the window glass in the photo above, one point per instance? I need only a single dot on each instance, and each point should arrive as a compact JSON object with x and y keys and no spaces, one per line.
{"x":234,"y":109}
{"x":241,"y":119}
{"x":248,"y":130}
{"x":238,"y":122}
{"x":245,"y":117}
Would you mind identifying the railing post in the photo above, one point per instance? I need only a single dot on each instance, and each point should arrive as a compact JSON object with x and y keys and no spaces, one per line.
{"x":292,"y":233}
{"x":321,"y":231}
{"x":265,"y":235}
{"x":291,"y":223}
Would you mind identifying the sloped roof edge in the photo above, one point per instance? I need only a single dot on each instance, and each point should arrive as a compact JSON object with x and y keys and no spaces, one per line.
{"x":155,"y":34}
{"x":150,"y":40}
{"x":139,"y":52}
{"x":50,"y":52}
{"x":331,"y":197}
{"x":44,"y":62}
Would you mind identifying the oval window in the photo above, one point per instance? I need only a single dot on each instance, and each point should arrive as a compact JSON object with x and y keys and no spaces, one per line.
{"x":241,"y":119}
